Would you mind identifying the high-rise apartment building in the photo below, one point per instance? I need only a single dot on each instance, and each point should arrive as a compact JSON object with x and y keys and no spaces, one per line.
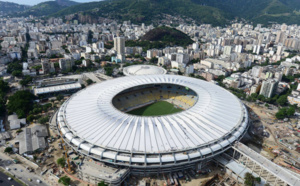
{"x":268,"y":88}
{"x":119,"y":46}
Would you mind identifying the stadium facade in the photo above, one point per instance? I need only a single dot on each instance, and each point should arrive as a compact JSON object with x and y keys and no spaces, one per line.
{"x":94,"y":126}
{"x":135,"y":70}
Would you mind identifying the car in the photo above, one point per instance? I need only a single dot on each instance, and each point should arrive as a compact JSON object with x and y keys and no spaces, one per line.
{"x":21,"y":170}
{"x":38,"y":181}
{"x":9,"y":178}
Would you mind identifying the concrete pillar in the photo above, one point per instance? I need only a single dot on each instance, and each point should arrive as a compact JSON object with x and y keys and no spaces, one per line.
{"x":268,"y":175}
{"x":234,"y":151}
{"x":261,"y":170}
{"x":240,"y":158}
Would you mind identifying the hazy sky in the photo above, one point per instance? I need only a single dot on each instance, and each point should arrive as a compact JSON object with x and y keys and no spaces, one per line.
{"x":34,"y":2}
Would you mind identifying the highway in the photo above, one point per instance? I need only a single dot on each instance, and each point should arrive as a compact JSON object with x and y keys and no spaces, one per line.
{"x":4,"y":180}
{"x":20,"y":172}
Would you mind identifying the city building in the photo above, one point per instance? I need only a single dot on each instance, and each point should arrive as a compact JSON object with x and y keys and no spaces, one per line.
{"x":268,"y":88}
{"x":119,"y":46}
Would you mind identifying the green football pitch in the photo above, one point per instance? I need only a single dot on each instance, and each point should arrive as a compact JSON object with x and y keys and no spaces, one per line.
{"x":156,"y":109}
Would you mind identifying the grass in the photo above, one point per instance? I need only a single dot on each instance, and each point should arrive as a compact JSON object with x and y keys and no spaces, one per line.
{"x":156,"y":109}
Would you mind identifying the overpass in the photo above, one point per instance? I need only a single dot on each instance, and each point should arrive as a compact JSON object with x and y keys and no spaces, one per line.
{"x":241,"y":159}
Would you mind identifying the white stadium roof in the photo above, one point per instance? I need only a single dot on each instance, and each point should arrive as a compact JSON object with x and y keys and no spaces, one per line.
{"x":57,"y":88}
{"x":143,"y":70}
{"x":91,"y":122}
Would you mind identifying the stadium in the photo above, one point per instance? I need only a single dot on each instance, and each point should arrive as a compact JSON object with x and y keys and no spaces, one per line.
{"x":152,"y":123}
{"x":135,"y":70}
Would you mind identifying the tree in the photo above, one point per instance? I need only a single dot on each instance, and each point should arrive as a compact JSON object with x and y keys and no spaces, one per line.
{"x":290,"y":111}
{"x":27,"y":79}
{"x":43,"y":120}
{"x":17,"y":73}
{"x":281,"y":114}
{"x":266,"y":105}
{"x":21,"y":102}
{"x":3,"y":86}
{"x":282,"y":100}
{"x":154,"y":60}
{"x":249,"y":179}
{"x":8,"y":150}
{"x":65,"y":180}
{"x":89,"y":81}
{"x":261,"y":97}
{"x":258,"y":180}
{"x":14,"y":66}
{"x":102,"y":183}
{"x":59,"y":97}
{"x":254,"y":95}
{"x":30,"y":118}
{"x":61,"y":162}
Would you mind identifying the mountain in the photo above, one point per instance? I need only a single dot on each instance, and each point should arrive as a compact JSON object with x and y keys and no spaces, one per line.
{"x":259,"y":11}
{"x":167,"y":35}
{"x":147,"y":10}
{"x":48,"y":7}
{"x":9,"y":8}
{"x":216,"y":12}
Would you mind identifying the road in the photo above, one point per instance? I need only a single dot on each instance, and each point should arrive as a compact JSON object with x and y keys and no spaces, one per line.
{"x":20,"y":171}
{"x":4,"y":180}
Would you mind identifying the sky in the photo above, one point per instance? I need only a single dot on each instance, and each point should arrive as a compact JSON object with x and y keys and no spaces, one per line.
{"x":34,"y":2}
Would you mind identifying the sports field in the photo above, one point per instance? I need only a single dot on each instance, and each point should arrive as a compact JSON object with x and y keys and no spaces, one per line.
{"x":156,"y":109}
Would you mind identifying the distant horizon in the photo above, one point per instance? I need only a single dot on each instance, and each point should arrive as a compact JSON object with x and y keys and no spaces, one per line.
{"x":35,"y":2}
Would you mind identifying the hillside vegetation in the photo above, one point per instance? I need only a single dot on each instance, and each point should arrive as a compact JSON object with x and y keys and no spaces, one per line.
{"x":9,"y":8}
{"x":162,"y":37}
{"x":47,"y":8}
{"x":216,"y":12}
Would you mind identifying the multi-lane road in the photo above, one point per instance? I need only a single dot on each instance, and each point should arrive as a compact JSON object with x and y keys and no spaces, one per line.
{"x":4,"y":180}
{"x":20,"y":172}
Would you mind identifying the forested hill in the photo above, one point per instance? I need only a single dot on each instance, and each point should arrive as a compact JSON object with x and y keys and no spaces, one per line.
{"x":216,"y":12}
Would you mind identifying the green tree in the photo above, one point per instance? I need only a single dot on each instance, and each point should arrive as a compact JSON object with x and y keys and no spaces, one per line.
{"x":261,"y":97}
{"x":21,"y":102}
{"x":30,"y":118}
{"x":282,"y":100}
{"x":153,"y":60}
{"x":14,"y":66}
{"x":290,"y":111}
{"x":89,"y":81}
{"x":102,"y":183}
{"x":3,"y":86}
{"x":281,"y":114}
{"x":258,"y":180}
{"x":59,"y":97}
{"x":65,"y":180}
{"x":254,"y":95}
{"x":27,"y":79}
{"x":61,"y":162}
{"x":17,"y":73}
{"x":249,"y":179}
{"x":43,"y":120}
{"x":8,"y":150}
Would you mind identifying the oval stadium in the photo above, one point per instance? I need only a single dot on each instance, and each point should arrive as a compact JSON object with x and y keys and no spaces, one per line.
{"x":152,"y":123}
{"x":134,"y":70}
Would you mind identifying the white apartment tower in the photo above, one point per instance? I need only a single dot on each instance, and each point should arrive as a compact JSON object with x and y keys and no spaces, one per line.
{"x":268,"y":88}
{"x":119,"y":46}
